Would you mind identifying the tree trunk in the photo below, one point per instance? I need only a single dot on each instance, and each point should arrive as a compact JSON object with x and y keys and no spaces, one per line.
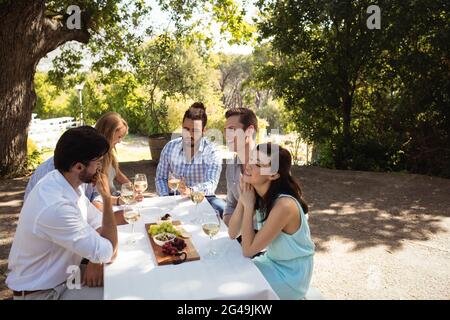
{"x":347,"y":108}
{"x":26,"y":36}
{"x":17,"y":100}
{"x":343,"y":153}
{"x":17,"y":97}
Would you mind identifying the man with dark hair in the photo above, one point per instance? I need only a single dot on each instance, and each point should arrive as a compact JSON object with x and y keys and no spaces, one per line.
{"x":241,"y":127}
{"x":192,"y":158}
{"x":48,"y":166}
{"x":42,"y":170}
{"x":58,"y":226}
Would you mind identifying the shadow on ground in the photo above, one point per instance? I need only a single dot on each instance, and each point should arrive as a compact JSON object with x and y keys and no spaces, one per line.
{"x":369,"y":209}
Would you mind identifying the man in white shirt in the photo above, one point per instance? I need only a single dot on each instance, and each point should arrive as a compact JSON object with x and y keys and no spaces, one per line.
{"x":88,"y":189}
{"x":58,"y":226}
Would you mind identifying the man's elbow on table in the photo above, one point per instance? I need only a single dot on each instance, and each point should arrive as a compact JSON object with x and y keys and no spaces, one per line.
{"x":114,"y":256}
{"x":106,"y":252}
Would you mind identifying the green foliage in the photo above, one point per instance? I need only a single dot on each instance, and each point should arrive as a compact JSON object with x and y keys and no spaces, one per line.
{"x":152,"y":97}
{"x":367,"y":99}
{"x":51,"y":102}
{"x":172,"y":72}
{"x":114,"y":39}
{"x":242,"y":86}
{"x":169,"y":70}
{"x":231,"y":16}
{"x":228,"y":14}
{"x":34,"y":155}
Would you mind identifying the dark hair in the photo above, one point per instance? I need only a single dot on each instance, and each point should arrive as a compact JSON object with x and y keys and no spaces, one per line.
{"x":246,"y":116}
{"x":196,"y":111}
{"x":82,"y":144}
{"x":285,"y":184}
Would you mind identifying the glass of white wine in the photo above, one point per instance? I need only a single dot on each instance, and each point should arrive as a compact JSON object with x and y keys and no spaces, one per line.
{"x":140,"y":183}
{"x":211,"y":226}
{"x":127,"y":192}
{"x":197,"y":197}
{"x":174,"y":183}
{"x":131,"y":215}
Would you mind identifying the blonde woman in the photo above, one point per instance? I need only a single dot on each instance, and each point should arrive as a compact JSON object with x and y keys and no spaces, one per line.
{"x":114,"y":128}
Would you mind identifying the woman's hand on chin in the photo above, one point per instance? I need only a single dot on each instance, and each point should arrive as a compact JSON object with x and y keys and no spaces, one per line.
{"x":247,"y":196}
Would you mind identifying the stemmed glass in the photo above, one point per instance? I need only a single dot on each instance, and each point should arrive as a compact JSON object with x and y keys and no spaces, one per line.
{"x":197,"y":196}
{"x":127,"y":192}
{"x":211,"y":226}
{"x":173,"y":183}
{"x":130,"y":214}
{"x":140,"y":183}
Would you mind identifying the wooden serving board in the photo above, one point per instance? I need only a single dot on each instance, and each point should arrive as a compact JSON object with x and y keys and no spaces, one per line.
{"x":163,"y":259}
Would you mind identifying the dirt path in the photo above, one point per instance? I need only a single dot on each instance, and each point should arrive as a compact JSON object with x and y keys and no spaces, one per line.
{"x":378,"y":235}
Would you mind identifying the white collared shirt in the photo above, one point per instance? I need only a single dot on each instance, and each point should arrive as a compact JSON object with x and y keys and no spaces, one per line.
{"x":56,"y":229}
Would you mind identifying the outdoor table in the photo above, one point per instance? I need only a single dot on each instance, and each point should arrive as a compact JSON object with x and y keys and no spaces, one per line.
{"x":135,"y":274}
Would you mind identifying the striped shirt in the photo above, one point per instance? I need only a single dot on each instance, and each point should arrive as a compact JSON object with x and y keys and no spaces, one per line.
{"x":202,"y":171}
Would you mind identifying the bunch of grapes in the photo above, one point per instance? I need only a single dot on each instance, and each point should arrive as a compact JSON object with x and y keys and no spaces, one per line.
{"x":173,"y":247}
{"x":169,"y":248}
{"x":165,"y":227}
{"x":179,"y":243}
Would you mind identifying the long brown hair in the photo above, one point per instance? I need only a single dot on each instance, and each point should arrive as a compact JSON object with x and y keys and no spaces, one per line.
{"x":108,"y":124}
{"x":285,"y":184}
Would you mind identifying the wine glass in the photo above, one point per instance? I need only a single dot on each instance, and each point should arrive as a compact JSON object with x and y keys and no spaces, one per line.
{"x":131,"y":215}
{"x":211,"y":226}
{"x":174,"y":183}
{"x":127,"y":192}
{"x":197,"y":196}
{"x":140,"y":183}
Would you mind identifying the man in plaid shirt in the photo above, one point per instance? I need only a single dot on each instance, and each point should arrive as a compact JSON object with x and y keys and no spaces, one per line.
{"x":193,"y":159}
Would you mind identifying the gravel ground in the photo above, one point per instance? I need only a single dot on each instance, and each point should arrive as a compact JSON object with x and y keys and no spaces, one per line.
{"x":378,"y":235}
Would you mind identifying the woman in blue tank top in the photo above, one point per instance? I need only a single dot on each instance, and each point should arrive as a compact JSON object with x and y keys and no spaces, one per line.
{"x":270,"y":194}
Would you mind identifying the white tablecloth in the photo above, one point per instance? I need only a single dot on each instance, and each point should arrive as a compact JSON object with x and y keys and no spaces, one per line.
{"x":135,"y":275}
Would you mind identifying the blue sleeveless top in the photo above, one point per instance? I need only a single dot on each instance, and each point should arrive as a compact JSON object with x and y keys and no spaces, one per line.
{"x":288,"y":262}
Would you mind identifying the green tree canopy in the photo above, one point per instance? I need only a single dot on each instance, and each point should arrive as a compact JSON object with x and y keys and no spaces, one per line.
{"x":371,"y":99}
{"x":110,"y":32}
